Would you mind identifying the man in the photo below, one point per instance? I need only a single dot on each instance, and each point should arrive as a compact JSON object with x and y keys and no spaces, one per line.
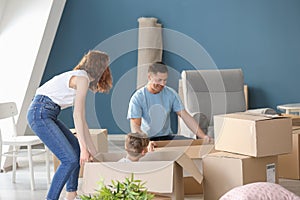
{"x":150,"y":107}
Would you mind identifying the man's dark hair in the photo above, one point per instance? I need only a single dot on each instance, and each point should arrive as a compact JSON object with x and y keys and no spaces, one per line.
{"x":158,"y":67}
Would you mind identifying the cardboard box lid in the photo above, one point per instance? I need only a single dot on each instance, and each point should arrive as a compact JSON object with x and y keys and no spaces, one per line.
{"x":250,"y":116}
{"x":194,"y":151}
{"x":224,"y":154}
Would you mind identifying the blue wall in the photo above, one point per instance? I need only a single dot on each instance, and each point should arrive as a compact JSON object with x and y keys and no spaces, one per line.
{"x":260,"y":36}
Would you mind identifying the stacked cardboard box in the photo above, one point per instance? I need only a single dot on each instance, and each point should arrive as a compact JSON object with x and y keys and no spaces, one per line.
{"x":99,"y":137}
{"x":249,"y":146}
{"x":254,"y":135}
{"x":295,"y":119}
{"x":289,"y":164}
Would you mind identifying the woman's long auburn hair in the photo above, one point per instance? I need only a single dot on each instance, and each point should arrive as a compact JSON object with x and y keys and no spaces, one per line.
{"x":95,"y":63}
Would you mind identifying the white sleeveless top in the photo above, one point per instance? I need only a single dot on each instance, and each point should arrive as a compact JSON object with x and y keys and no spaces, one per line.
{"x":58,"y":90}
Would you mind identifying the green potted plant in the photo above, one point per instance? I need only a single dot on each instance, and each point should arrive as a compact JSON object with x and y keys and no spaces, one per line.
{"x":130,"y":189}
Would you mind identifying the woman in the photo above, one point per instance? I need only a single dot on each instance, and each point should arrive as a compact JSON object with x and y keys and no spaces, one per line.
{"x":62,"y":91}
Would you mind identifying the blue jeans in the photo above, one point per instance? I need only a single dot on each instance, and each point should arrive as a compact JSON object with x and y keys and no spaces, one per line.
{"x":42,"y":119}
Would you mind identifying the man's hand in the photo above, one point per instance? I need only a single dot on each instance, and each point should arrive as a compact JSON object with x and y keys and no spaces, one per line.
{"x":207,"y":139}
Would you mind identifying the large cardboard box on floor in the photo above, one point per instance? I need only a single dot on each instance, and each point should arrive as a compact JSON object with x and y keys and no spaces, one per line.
{"x":223,"y":171}
{"x":161,"y":171}
{"x":195,"y":149}
{"x":253,"y":134}
{"x":99,"y":137}
{"x":289,"y":164}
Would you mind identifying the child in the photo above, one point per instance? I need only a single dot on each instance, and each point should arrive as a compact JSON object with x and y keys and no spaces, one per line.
{"x":136,"y":146}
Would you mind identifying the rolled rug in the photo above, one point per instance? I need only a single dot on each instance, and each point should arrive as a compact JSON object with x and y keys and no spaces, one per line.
{"x":149,"y":47}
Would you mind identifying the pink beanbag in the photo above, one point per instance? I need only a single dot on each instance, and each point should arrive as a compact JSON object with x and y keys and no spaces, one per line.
{"x":260,"y":191}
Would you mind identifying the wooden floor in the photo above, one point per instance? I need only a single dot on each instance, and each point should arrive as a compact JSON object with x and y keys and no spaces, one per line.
{"x":21,"y":189}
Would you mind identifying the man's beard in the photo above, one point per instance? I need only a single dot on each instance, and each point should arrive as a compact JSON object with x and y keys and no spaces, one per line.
{"x":158,"y":87}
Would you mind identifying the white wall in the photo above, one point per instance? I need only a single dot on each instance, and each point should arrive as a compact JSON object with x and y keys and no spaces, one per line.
{"x":27,"y":31}
{"x":22,"y":27}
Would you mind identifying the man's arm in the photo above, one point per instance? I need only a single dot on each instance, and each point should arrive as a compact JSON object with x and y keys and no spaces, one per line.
{"x":191,"y":123}
{"x":135,"y":125}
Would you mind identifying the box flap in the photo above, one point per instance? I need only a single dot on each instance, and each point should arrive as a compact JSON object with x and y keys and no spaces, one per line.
{"x":110,"y":157}
{"x":175,"y":143}
{"x":194,"y":151}
{"x":188,"y":165}
{"x":180,"y":157}
{"x":161,"y":156}
{"x":295,"y":128}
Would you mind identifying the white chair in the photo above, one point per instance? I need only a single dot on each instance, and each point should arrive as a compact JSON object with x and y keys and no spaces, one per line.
{"x":9,"y":110}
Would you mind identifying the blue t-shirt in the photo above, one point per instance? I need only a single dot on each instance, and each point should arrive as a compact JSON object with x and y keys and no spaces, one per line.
{"x":154,"y":110}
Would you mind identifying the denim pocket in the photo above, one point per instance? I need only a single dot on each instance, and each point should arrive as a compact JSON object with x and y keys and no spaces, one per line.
{"x":50,"y":107}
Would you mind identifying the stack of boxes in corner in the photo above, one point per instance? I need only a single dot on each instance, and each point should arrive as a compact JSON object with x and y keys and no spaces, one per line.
{"x":248,"y":145}
{"x":289,"y":164}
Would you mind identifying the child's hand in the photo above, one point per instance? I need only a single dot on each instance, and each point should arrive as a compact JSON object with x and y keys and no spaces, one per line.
{"x":151,"y":146}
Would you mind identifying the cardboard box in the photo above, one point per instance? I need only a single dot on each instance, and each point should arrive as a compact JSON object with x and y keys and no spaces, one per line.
{"x":253,"y":134}
{"x":99,"y":137}
{"x":295,"y":119}
{"x":223,"y":171}
{"x":195,"y":149}
{"x":162,"y":172}
{"x":289,"y":164}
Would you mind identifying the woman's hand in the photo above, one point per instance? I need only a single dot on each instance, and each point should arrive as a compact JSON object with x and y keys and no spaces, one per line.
{"x":84,"y":156}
